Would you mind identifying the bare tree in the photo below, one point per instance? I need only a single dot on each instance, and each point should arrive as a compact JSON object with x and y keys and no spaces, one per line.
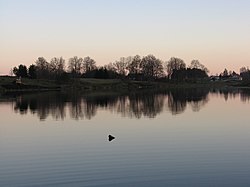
{"x":42,"y":63}
{"x":42,"y":68}
{"x":57,"y":65}
{"x":197,"y":65}
{"x":135,"y":66}
{"x":121,"y":66}
{"x":174,"y":64}
{"x":151,"y":67}
{"x":75,"y":65}
{"x":88,"y":64}
{"x":109,"y":67}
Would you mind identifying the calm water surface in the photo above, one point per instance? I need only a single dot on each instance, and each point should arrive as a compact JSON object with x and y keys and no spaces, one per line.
{"x":172,"y":138}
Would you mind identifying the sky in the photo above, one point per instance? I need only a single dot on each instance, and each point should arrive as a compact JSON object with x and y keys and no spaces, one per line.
{"x":216,"y":32}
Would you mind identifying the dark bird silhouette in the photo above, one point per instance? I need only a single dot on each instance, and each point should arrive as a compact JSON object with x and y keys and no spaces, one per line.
{"x":111,"y":137}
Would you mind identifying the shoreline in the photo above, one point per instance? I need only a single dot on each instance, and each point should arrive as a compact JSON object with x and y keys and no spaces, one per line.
{"x":117,"y":85}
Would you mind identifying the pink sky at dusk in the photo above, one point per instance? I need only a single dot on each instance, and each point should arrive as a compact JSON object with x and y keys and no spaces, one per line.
{"x":214,"y":32}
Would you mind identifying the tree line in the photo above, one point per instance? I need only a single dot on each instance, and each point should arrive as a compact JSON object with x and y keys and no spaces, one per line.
{"x":134,"y":68}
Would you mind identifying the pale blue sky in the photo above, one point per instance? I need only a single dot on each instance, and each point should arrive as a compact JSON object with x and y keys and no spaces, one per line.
{"x":217,"y":32}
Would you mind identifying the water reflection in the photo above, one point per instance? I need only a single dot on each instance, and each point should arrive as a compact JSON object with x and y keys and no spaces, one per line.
{"x":245,"y":96}
{"x":232,"y":93}
{"x":44,"y":104}
{"x":178,"y":99}
{"x":80,"y":106}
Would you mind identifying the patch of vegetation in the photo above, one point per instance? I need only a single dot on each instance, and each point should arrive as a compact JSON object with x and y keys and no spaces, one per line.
{"x":8,"y":83}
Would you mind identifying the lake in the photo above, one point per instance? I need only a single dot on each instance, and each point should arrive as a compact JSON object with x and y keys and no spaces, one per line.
{"x":192,"y":137}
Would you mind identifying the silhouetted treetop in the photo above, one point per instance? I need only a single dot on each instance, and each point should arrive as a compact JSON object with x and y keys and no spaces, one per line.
{"x":151,"y":67}
{"x":75,"y":66}
{"x":89,"y":64}
{"x":32,"y":71}
{"x":57,"y":65}
{"x":174,"y":64}
{"x":20,"y":71}
{"x":197,"y":65}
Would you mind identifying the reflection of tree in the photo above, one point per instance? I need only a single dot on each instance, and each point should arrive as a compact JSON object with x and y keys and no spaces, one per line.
{"x":197,"y":105}
{"x":228,"y":93}
{"x":133,"y":105}
{"x":232,"y":93}
{"x":90,"y":110}
{"x":22,"y":105}
{"x":76,"y":109}
{"x":92,"y":103}
{"x":245,"y":95}
{"x":245,"y":98}
{"x":178,"y":99}
{"x":43,"y":104}
{"x":137,"y":105}
{"x":176,"y":105}
{"x":121,"y":106}
{"x":143,"y":104}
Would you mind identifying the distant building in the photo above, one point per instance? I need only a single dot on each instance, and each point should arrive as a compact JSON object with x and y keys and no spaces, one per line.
{"x":214,"y":78}
{"x":19,"y":80}
{"x":235,"y":77}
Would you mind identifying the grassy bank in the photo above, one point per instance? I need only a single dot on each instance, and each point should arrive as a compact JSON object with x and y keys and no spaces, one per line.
{"x":28,"y":85}
{"x":126,"y":85}
{"x":81,"y":84}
